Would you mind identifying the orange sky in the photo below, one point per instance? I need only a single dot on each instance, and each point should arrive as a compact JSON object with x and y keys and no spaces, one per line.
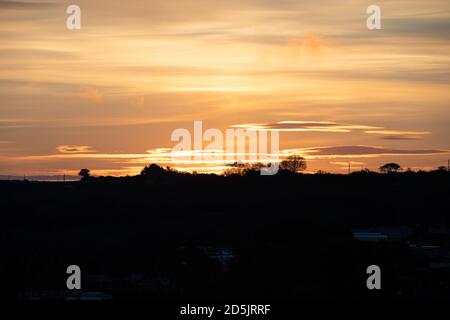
{"x":108,"y":96}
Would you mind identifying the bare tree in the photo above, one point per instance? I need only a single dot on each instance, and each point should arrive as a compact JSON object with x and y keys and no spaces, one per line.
{"x":293,"y":163}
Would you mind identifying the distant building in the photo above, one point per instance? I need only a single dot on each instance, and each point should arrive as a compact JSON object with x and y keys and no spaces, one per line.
{"x":383,"y":233}
{"x":368,"y":235}
{"x":63,"y":295}
{"x":437,"y":227}
{"x":88,"y":295}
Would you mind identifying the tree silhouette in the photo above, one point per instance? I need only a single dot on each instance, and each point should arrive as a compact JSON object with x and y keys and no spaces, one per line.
{"x":236,"y":168}
{"x":293,"y":163}
{"x":152,"y":170}
{"x":390,"y":168}
{"x":257,"y":166}
{"x":85,"y":174}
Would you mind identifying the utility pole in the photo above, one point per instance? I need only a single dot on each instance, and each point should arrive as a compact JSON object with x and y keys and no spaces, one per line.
{"x":349,"y":168}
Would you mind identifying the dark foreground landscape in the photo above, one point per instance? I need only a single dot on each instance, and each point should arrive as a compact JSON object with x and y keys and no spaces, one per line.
{"x":178,"y":236}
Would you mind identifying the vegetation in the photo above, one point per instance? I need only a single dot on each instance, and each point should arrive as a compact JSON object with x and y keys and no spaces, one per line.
{"x":293,"y":163}
{"x":390,"y":168}
{"x":290,"y":235}
{"x":84,"y":173}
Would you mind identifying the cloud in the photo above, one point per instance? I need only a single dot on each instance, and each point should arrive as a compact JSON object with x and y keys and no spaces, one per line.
{"x":438,"y":27}
{"x":309,"y":43}
{"x":17,"y":5}
{"x":91,"y":94}
{"x":31,"y":53}
{"x":312,"y":43}
{"x":359,"y":152}
{"x":345,"y":163}
{"x":74,"y":149}
{"x":138,"y":101}
{"x":399,"y":135}
{"x":398,"y":132}
{"x":323,"y":126}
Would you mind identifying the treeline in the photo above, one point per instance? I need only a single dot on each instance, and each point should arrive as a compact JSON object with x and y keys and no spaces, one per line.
{"x":292,"y":165}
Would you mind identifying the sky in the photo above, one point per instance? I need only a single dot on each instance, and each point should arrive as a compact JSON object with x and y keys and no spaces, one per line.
{"x":108,"y":96}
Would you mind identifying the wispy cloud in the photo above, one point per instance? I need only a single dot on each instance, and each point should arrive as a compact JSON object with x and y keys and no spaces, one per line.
{"x":91,"y":94}
{"x":360,"y":152}
{"x":399,"y":135}
{"x":323,"y":126}
{"x":74,"y":149}
{"x":345,"y":164}
{"x":24,"y":5}
{"x":309,"y":44}
{"x":414,"y":133}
